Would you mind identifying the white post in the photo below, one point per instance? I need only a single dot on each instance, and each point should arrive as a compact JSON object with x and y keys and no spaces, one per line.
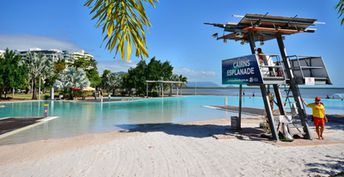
{"x":52,"y":93}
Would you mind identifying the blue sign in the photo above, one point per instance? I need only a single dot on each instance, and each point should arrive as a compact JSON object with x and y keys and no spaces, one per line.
{"x":241,"y":70}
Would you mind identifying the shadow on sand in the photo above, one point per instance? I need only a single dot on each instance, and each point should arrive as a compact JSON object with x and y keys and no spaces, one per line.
{"x":335,"y":122}
{"x":333,"y":166}
{"x":197,"y":131}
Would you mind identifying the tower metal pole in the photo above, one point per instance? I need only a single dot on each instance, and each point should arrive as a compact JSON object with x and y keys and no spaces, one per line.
{"x":293,"y":85}
{"x":279,"y":99}
{"x":264,"y":94}
{"x":240,"y":105}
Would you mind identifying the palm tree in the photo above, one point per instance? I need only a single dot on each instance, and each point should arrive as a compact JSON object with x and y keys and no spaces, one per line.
{"x":13,"y":73}
{"x":104,"y":78}
{"x":113,"y":82}
{"x":181,"y":78}
{"x":39,"y":67}
{"x":340,"y":8}
{"x":72,"y":78}
{"x":122,"y":22}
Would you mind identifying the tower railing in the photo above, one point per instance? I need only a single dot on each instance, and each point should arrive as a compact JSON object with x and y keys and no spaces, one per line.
{"x":309,"y":67}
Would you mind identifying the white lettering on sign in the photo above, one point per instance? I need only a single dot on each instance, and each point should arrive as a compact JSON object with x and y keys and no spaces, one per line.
{"x":241,"y":63}
{"x":241,"y":67}
{"x":241,"y":71}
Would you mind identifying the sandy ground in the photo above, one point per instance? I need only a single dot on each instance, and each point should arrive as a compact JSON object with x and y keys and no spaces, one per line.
{"x":204,"y":148}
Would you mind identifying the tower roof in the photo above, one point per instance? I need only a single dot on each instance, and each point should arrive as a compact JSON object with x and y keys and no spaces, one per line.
{"x":265,"y":27}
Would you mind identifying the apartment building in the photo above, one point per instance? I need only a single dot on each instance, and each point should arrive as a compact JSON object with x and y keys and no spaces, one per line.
{"x":56,"y":54}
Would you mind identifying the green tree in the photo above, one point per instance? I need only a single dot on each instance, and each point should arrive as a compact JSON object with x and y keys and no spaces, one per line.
{"x":90,"y":66}
{"x":127,"y":84}
{"x":176,"y":77}
{"x":113,"y":82}
{"x":72,"y":78}
{"x":166,"y":73}
{"x":13,"y":72}
{"x":155,"y":70}
{"x":39,"y":67}
{"x":93,"y":76}
{"x":104,"y":78}
{"x":59,"y":66}
{"x":166,"y":70}
{"x":340,"y":8}
{"x":182,"y":79}
{"x":158,"y":71}
{"x":137,"y":78}
{"x":52,"y":76}
{"x":123,"y":23}
{"x":82,"y":63}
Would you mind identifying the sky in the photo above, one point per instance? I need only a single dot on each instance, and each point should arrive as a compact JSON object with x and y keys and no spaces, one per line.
{"x":177,"y":34}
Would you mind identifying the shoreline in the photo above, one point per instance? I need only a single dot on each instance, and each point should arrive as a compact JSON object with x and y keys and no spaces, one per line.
{"x":188,"y":149}
{"x":247,"y":119}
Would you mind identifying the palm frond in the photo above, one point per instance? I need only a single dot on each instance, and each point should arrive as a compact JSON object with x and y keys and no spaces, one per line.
{"x":340,"y":11}
{"x":122,"y":23}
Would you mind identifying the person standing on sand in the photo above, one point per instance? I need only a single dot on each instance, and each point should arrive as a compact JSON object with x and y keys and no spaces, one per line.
{"x":319,"y":117}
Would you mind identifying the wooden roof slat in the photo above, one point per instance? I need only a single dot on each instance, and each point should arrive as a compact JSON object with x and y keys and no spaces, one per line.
{"x":270,"y":30}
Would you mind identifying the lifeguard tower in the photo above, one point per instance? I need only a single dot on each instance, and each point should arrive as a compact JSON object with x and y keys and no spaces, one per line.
{"x":285,"y":70}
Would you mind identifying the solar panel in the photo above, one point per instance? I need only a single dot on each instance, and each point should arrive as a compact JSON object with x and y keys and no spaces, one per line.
{"x":265,"y":27}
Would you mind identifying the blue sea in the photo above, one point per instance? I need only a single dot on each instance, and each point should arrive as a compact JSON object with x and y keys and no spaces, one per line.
{"x":332,"y":93}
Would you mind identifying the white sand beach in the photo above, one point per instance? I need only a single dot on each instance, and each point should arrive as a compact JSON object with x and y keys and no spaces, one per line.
{"x":175,"y":150}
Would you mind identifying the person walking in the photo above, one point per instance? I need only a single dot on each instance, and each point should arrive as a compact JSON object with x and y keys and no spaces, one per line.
{"x":319,"y":117}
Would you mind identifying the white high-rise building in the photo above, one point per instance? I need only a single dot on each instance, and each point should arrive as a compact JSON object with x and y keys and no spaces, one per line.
{"x":56,"y":54}
{"x":53,"y":54}
{"x":70,"y":57}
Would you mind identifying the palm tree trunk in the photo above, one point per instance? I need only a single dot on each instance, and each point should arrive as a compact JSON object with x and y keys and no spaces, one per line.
{"x":72,"y":95}
{"x":34,"y":91}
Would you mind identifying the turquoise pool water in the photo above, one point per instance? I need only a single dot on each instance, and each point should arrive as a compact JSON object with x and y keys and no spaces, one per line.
{"x":77,"y":118}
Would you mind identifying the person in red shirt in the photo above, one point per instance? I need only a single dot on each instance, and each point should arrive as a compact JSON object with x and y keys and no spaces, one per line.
{"x":319,"y":117}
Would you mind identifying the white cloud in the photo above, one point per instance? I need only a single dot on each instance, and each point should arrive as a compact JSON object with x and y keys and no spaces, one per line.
{"x":25,"y":42}
{"x":195,"y":74}
{"x":114,"y":65}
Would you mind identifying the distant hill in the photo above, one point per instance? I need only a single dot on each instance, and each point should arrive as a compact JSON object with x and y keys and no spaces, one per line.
{"x":121,"y":72}
{"x":202,"y":84}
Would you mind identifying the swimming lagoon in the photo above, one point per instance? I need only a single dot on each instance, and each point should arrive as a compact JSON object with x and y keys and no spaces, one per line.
{"x":76,"y":118}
